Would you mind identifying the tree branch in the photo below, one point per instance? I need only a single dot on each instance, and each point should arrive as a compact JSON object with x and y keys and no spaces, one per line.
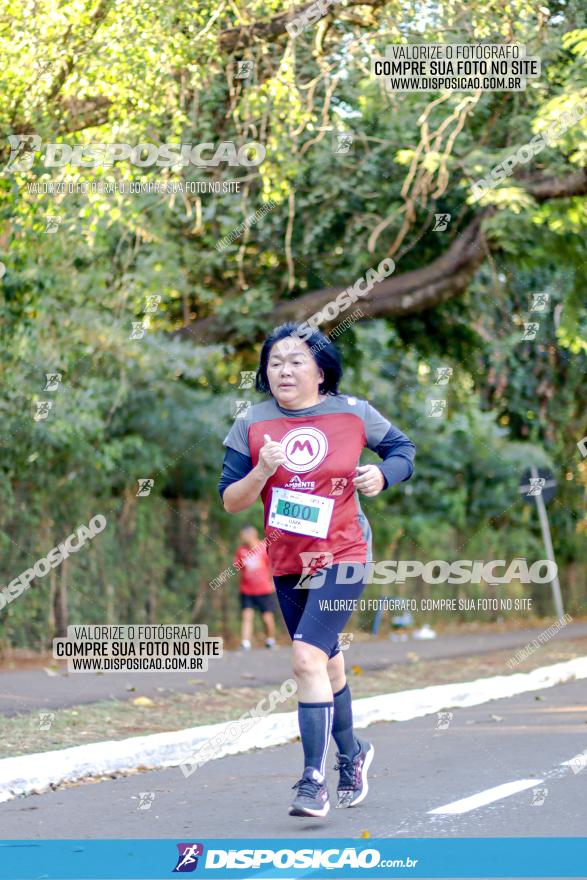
{"x":79,"y":114}
{"x":272,"y":28}
{"x":545,"y":188}
{"x":416,"y":291}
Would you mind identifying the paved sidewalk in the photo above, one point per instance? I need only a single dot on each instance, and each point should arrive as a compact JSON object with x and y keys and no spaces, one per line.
{"x":31,"y":689}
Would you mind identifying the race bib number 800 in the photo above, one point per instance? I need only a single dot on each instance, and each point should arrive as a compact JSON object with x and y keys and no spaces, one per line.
{"x":300,"y":512}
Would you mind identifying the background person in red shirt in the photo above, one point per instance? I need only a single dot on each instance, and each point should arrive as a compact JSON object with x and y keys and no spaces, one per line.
{"x":256,"y":587}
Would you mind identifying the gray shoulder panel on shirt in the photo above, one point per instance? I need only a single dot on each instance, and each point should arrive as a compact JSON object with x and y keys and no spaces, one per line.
{"x":375,"y":425}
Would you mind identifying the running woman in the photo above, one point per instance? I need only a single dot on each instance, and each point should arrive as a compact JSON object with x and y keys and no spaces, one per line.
{"x":299,"y":450}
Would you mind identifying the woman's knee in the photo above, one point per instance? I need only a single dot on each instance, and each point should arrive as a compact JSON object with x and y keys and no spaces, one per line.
{"x":307,"y":660}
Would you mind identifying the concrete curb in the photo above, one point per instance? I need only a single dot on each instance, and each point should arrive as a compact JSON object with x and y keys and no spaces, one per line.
{"x":27,"y":774}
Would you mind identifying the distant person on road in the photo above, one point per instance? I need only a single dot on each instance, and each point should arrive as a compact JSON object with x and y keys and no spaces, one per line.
{"x":256,"y":587}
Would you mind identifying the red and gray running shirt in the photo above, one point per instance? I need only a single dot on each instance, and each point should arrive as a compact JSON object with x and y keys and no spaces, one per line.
{"x":311,"y":499}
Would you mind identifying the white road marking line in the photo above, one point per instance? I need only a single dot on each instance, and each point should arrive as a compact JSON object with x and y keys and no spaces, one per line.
{"x":485,"y":797}
{"x":577,"y":763}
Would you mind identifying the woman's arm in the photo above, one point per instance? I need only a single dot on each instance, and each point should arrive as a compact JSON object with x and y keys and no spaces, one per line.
{"x":240,"y":489}
{"x":240,"y":495}
{"x":397,"y":452}
{"x":393,"y":446}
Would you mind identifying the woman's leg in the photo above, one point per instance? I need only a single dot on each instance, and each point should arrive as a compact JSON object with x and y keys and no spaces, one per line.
{"x":324,"y":628}
{"x":315,"y":704}
{"x":342,"y":724}
{"x":291,"y":602}
{"x":309,"y":666}
{"x":315,"y":630}
{"x":336,"y":672}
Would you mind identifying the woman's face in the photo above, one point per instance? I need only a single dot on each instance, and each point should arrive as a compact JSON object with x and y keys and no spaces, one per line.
{"x":293,"y":374}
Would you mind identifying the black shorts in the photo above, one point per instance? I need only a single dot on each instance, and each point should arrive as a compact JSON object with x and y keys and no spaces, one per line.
{"x":263,"y":603}
{"x":317,"y":616}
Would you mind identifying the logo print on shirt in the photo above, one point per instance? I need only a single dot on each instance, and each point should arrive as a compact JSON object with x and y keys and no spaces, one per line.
{"x":300,"y":485}
{"x":305,"y":449}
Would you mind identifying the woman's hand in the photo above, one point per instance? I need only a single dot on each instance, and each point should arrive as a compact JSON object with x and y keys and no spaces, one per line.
{"x":369,"y":480}
{"x":271,"y":456}
{"x":240,"y":495}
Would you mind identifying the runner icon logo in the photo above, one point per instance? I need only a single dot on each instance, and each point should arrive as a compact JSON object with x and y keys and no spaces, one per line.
{"x":338,"y":484}
{"x":187,"y":859}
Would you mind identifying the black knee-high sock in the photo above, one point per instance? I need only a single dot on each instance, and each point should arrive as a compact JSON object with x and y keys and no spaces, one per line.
{"x":315,"y":720}
{"x":342,"y":726}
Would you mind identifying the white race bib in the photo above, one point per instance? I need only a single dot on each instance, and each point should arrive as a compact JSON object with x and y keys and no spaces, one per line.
{"x":300,"y":512}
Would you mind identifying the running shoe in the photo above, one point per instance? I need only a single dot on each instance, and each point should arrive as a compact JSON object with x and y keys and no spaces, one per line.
{"x":245,"y":645}
{"x":353,"y":786}
{"x":270,"y":643}
{"x":312,"y":797}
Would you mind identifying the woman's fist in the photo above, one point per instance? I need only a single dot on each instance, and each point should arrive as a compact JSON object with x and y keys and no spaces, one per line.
{"x":271,"y":456}
{"x":369,"y":479}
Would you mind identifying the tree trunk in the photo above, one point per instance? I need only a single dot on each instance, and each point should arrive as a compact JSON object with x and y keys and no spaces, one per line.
{"x":61,"y":602}
{"x":52,"y":601}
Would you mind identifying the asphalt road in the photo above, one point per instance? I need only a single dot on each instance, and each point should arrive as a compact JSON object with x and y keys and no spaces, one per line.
{"x":31,"y":689}
{"x":417,"y":768}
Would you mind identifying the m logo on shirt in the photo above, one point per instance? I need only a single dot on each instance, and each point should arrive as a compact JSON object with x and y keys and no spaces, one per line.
{"x":305,"y":449}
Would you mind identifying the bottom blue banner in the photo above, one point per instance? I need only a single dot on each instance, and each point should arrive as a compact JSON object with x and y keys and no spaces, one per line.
{"x":554,"y":857}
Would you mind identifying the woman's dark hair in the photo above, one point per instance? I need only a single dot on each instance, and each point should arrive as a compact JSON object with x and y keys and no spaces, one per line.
{"x":323,"y":351}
